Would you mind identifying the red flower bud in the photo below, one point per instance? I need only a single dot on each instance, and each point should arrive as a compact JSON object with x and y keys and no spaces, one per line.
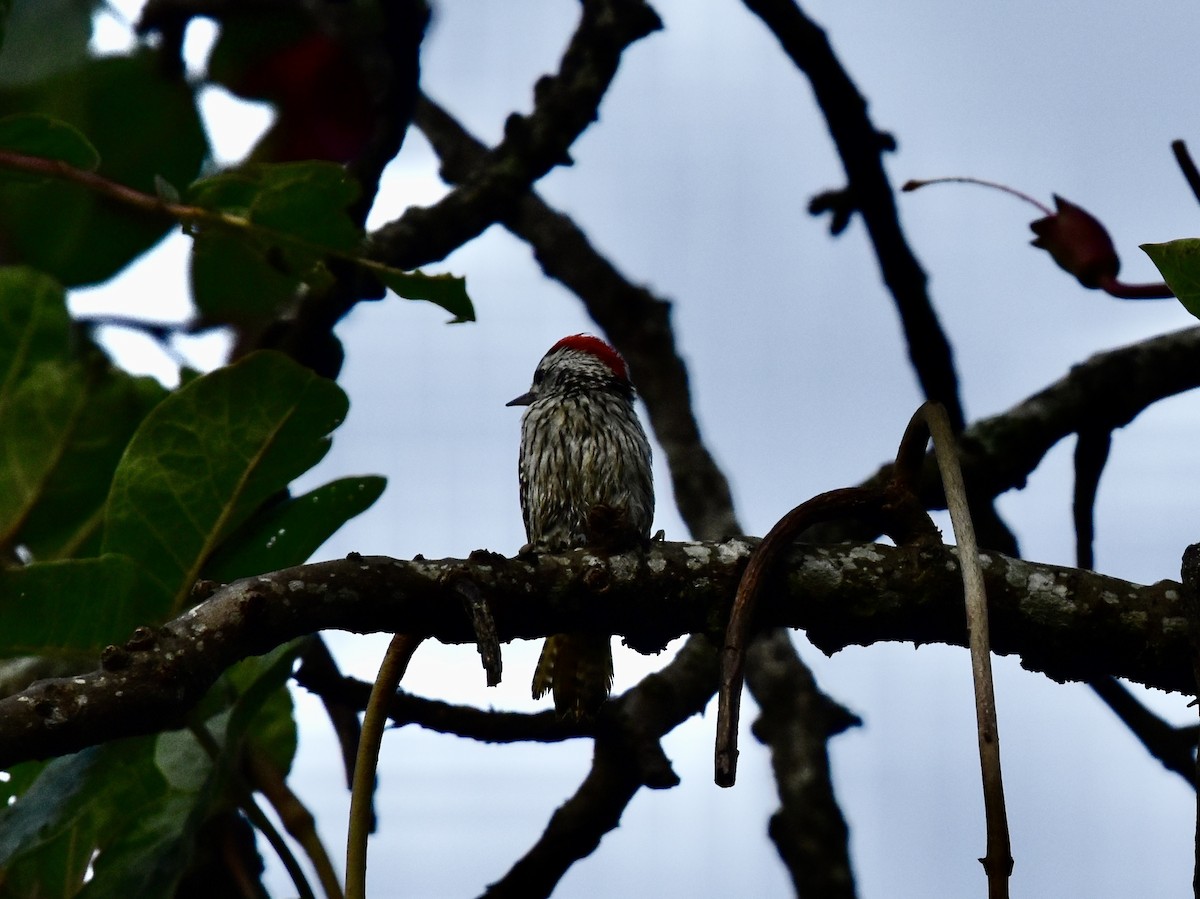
{"x":1078,"y":243}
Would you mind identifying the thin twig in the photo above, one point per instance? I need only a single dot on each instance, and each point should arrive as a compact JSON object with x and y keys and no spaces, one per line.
{"x":1186,"y":165}
{"x":295,"y":816}
{"x":391,"y":670}
{"x":250,"y":808}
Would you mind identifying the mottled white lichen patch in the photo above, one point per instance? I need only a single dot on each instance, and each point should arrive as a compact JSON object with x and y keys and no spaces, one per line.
{"x":698,"y":555}
{"x":1041,"y":582}
{"x":1174,"y":625}
{"x":820,"y":565}
{"x":1136,"y":619}
{"x":1046,"y":599}
{"x":1170,"y":595}
{"x":1109,"y":598}
{"x":866,"y":554}
{"x":732,"y":551}
{"x":657,"y":564}
{"x":624,"y":567}
{"x":295,"y":585}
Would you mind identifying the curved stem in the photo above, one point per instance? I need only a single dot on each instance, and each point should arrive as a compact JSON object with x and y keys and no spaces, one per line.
{"x":998,"y":862}
{"x":391,"y":670}
{"x":917,"y":183}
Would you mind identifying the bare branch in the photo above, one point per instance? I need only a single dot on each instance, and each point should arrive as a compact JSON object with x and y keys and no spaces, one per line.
{"x":627,"y":757}
{"x":565,"y":104}
{"x":809,"y":826}
{"x":869,"y":192}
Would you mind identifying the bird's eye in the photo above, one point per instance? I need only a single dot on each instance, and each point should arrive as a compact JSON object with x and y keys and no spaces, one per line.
{"x":539,"y":375}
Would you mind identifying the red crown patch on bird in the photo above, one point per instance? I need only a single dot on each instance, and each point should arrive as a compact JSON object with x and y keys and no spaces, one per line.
{"x":589,"y":343}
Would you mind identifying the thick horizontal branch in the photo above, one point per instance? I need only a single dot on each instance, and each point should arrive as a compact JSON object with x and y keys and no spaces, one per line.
{"x":1069,"y":624}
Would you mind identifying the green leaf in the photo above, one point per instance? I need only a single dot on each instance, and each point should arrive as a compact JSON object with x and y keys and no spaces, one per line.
{"x":1179,"y":263}
{"x":67,"y":517}
{"x":236,"y":279}
{"x":249,"y":702}
{"x":34,"y":134}
{"x":209,"y":455}
{"x":263,"y":713}
{"x":43,"y":37}
{"x":34,"y":324}
{"x":447,"y":291}
{"x":77,"y":804}
{"x":5,"y":9}
{"x":37,"y":424}
{"x":76,"y":605}
{"x":298,"y":217}
{"x":307,"y":201}
{"x":143,"y":124}
{"x":289,"y":532}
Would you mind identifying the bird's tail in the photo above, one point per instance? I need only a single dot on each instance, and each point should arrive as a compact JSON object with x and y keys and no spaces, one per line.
{"x":578,"y":668}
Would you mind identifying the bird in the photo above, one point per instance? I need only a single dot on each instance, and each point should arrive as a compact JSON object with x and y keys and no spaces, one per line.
{"x":585,"y":481}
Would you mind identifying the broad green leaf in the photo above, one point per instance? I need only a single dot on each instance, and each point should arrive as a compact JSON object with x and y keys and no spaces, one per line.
{"x":235,"y":279}
{"x":447,"y":291}
{"x":307,"y":201}
{"x":299,"y":216}
{"x":77,"y":804}
{"x":5,"y":9}
{"x":263,"y":713}
{"x":143,"y":124}
{"x":289,"y":532}
{"x":67,"y":518}
{"x":1179,"y":263}
{"x":76,"y":605}
{"x":34,"y":134}
{"x":209,"y":455}
{"x":34,"y":324}
{"x":142,"y":803}
{"x":37,"y":424}
{"x":250,"y":702}
{"x":150,"y":853}
{"x":42,"y":37}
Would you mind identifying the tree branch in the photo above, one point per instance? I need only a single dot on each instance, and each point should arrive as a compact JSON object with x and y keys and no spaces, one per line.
{"x":565,"y":104}
{"x":797,"y":737}
{"x":869,"y":192}
{"x":1068,"y":624}
{"x":1108,"y":391}
{"x":627,"y":757}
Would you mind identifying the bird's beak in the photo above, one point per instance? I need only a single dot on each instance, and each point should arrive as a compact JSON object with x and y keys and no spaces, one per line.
{"x":523,"y":400}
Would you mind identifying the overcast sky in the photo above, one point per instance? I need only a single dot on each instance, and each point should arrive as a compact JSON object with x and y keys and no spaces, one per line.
{"x":695,"y":182}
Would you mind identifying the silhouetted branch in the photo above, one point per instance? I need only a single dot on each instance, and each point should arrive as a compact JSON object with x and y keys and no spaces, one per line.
{"x":565,"y":104}
{"x":861,"y":146}
{"x":809,"y":825}
{"x":630,"y":727}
